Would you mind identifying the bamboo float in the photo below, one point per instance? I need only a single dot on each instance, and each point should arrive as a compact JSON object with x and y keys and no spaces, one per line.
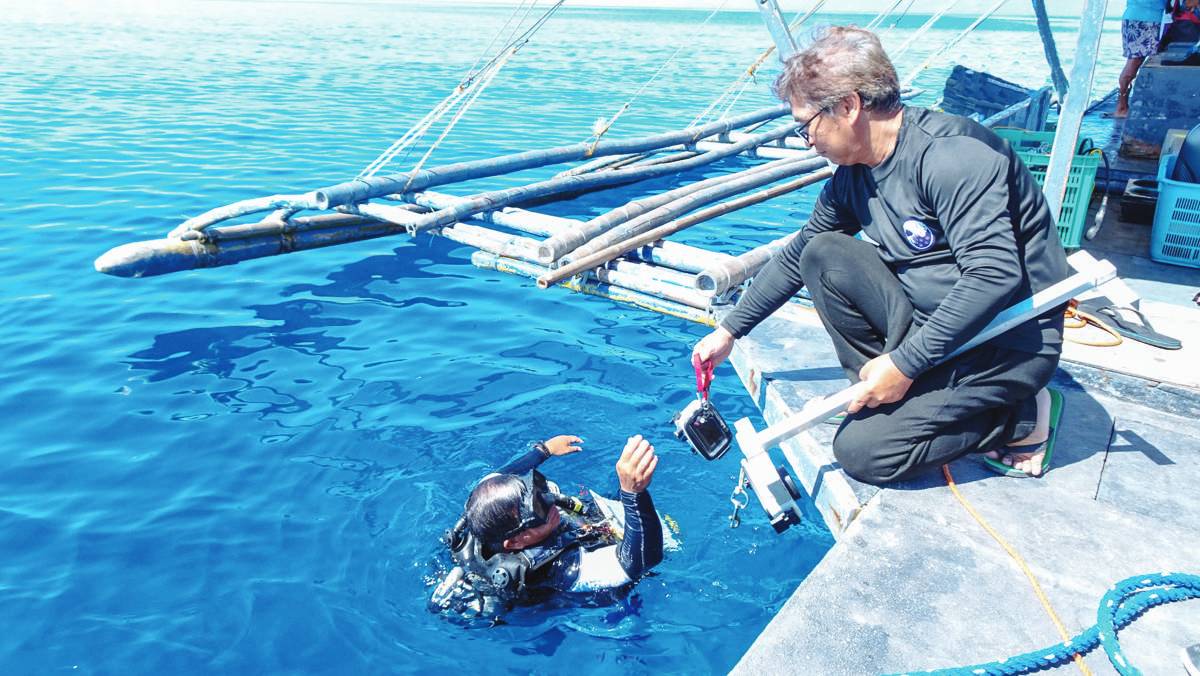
{"x":611,"y":252}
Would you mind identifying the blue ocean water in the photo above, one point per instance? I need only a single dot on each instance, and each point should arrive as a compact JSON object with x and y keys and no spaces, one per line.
{"x":246,"y":470}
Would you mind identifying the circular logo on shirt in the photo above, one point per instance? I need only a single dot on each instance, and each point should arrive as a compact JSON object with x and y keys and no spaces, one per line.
{"x":918,"y":235}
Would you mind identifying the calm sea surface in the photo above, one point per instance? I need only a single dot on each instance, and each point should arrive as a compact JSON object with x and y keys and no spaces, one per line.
{"x":246,"y":470}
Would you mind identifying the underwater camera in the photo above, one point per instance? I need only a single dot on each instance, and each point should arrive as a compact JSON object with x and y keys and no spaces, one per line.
{"x":703,"y":428}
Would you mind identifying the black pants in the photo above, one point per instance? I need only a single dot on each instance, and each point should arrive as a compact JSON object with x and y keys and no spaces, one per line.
{"x":973,"y":403}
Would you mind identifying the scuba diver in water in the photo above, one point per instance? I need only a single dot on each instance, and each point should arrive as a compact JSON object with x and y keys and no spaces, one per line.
{"x":520,"y":539}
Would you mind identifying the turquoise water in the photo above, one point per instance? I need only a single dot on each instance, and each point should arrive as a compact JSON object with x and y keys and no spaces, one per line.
{"x":246,"y":470}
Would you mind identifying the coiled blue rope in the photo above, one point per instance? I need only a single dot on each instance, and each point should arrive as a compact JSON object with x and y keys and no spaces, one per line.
{"x":1121,"y":605}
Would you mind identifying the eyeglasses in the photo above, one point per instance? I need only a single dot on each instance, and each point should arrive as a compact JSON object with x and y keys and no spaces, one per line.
{"x":802,"y":130}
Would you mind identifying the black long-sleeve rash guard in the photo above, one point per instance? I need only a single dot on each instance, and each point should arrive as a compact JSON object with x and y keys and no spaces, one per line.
{"x":958,"y":218}
{"x":639,"y":550}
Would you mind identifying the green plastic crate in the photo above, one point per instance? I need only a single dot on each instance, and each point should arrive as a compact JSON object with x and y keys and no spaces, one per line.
{"x":1033,"y":147}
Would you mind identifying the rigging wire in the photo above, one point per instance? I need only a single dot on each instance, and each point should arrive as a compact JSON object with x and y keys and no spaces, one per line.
{"x":908,"y":80}
{"x":601,"y":126}
{"x":747,"y":76}
{"x":472,"y":84}
{"x":926,"y":26}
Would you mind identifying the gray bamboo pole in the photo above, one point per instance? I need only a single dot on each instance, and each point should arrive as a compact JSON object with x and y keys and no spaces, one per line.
{"x":499,"y":198}
{"x":696,"y":199}
{"x":1050,"y":49}
{"x":559,"y":245}
{"x":603,"y":256}
{"x":376,"y":186}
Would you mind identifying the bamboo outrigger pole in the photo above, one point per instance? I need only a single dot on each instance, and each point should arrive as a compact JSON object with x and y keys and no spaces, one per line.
{"x":609,"y":253}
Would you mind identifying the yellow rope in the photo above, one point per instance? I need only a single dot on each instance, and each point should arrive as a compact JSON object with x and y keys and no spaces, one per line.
{"x":1037,"y":588}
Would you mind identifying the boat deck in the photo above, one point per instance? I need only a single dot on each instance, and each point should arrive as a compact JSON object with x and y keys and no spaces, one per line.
{"x":915,"y":583}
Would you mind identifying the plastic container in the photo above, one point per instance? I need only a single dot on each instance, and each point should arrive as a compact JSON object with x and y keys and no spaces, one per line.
{"x":1033,"y":147}
{"x":1175,"y":237}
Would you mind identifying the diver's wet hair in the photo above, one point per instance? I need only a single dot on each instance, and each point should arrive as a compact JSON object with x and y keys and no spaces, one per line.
{"x":840,"y":61}
{"x":494,"y":507}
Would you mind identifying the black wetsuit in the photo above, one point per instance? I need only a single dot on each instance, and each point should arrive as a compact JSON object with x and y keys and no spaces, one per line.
{"x":578,"y":570}
{"x":963,"y":232}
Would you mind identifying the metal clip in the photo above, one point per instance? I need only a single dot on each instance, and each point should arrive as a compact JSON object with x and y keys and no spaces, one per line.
{"x":739,"y":489}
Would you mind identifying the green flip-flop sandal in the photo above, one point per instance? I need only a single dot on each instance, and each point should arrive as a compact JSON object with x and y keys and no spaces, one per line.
{"x":997,"y":466}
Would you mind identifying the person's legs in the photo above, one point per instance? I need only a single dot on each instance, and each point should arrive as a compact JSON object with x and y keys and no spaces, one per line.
{"x":858,"y":298}
{"x":1139,"y":39}
{"x":971,"y":404}
{"x":974,"y":403}
{"x":1125,"y":85}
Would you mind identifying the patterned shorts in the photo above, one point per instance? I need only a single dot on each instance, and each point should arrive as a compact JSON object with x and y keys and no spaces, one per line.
{"x":1139,"y":38}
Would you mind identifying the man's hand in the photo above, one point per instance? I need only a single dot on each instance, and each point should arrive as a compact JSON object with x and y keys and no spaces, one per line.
{"x":636,"y":466}
{"x":563,"y":444}
{"x":882,"y":383}
{"x":713,"y":348}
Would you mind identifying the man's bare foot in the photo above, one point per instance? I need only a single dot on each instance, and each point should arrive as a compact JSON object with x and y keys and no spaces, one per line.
{"x":1029,"y":463}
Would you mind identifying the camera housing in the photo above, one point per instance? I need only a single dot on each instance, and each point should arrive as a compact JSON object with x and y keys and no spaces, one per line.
{"x":703,"y":428}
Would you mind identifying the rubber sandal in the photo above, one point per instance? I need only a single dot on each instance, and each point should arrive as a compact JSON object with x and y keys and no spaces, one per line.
{"x":998,"y":466}
{"x":1143,"y":332}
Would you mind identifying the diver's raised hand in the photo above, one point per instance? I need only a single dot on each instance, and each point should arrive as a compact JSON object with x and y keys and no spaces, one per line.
{"x":563,"y":444}
{"x":636,"y":466}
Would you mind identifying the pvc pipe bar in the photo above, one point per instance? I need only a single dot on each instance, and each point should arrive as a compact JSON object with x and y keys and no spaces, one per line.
{"x":510,"y":246}
{"x":529,"y":222}
{"x":763,"y":151}
{"x":728,"y":274}
{"x":488,"y":261}
{"x":359,"y":190}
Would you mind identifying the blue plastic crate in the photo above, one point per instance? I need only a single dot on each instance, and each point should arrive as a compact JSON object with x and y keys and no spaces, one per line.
{"x":1176,"y":234}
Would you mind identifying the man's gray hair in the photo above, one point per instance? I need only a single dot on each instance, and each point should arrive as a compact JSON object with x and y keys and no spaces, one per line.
{"x":842,"y":60}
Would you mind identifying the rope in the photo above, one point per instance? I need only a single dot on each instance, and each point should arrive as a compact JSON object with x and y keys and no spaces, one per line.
{"x":1037,"y":588}
{"x":1077,"y":319}
{"x":900,"y":18}
{"x":601,"y":127}
{"x":882,"y":16}
{"x":926,"y":26}
{"x":1123,"y":603}
{"x":458,"y":116}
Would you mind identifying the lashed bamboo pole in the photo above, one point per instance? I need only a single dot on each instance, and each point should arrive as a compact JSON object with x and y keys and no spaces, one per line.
{"x":603,"y":256}
{"x":559,"y":245}
{"x":500,"y":198}
{"x":696,"y":199}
